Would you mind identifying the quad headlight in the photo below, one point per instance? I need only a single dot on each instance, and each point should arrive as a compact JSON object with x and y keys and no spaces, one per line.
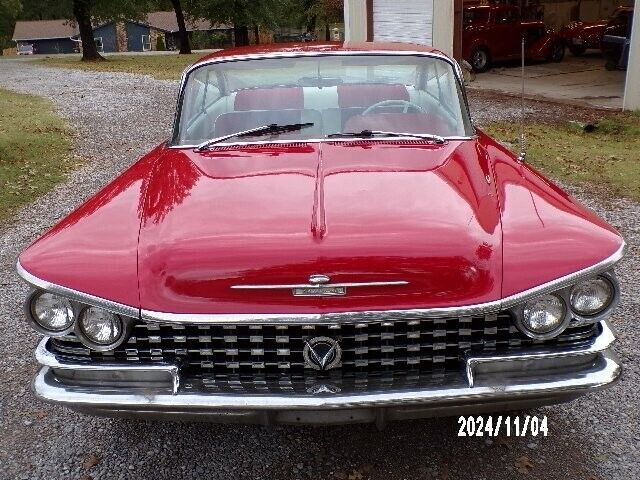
{"x":582,"y":303}
{"x":51,"y":314}
{"x":591,"y":297}
{"x":544,"y":315}
{"x":100,"y":326}
{"x":97,"y":328}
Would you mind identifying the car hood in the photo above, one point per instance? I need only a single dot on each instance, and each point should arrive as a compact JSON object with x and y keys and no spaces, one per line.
{"x":576,"y":28}
{"x":359,"y":212}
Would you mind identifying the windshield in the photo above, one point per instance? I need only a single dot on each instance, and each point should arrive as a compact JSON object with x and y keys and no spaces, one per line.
{"x":476,"y":16}
{"x":335,"y":93}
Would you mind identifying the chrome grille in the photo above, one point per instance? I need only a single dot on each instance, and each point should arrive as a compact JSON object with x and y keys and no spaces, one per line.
{"x":234,"y":356}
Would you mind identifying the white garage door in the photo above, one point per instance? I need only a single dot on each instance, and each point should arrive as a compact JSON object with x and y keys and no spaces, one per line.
{"x":408,"y":21}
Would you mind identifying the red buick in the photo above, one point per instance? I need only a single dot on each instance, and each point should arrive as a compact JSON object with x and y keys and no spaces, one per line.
{"x":326,"y":238}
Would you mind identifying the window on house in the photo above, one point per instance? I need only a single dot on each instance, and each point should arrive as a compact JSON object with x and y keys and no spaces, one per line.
{"x":99,"y":44}
{"x":146,"y":43}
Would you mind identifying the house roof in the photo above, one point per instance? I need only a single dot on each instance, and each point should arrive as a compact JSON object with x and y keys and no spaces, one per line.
{"x":167,"y":21}
{"x":44,"y":29}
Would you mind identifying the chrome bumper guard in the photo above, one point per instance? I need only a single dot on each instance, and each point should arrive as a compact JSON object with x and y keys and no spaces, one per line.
{"x":498,"y":382}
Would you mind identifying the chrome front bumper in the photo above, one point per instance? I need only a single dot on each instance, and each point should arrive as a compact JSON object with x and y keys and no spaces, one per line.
{"x":490,"y":383}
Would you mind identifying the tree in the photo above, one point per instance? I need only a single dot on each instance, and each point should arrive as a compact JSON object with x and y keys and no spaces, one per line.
{"x":183,"y":35}
{"x":45,"y":10}
{"x":82,"y":12}
{"x":241,"y":13}
{"x":99,"y":11}
{"x":326,"y":12}
{"x":9,"y":11}
{"x":312,"y":13}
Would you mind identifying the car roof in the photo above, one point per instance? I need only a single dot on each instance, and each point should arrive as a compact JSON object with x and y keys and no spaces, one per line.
{"x":315,"y":47}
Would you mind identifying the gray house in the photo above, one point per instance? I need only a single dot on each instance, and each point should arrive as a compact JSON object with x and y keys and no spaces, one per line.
{"x":62,"y":36}
{"x":47,"y":36}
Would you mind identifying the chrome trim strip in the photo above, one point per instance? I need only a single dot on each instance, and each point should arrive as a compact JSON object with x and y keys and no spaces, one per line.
{"x":48,"y":359}
{"x":310,"y":285}
{"x":567,"y":280}
{"x":453,"y":138}
{"x":601,"y":343}
{"x":380,"y":315}
{"x":76,"y":295}
{"x":316,"y":318}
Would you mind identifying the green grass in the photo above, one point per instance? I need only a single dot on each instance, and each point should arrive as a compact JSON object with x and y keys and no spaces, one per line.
{"x":608,"y":158}
{"x":35,"y":150}
{"x":163,"y":67}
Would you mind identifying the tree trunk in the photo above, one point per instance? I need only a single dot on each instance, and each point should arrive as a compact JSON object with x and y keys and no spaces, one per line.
{"x":242,"y":35}
{"x":312,"y":23}
{"x":183,"y":35}
{"x":327,"y":32}
{"x":256,"y":33}
{"x":82,"y":12}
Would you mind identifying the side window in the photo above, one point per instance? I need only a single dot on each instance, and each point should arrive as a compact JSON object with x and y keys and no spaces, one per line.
{"x":99,"y":44}
{"x":201,"y":92}
{"x":146,"y":43}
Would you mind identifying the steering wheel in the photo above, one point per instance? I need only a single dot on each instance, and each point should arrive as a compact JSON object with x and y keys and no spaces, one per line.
{"x":403,"y":104}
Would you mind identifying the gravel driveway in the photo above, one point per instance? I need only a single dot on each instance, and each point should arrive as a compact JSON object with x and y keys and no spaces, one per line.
{"x":119,"y":116}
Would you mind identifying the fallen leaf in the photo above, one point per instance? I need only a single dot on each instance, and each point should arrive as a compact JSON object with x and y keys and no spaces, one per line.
{"x":91,"y":461}
{"x":523,"y":464}
{"x":355,"y":475}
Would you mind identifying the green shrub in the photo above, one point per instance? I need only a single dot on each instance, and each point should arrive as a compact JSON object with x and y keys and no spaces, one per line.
{"x":201,"y":40}
{"x":160,"y":46}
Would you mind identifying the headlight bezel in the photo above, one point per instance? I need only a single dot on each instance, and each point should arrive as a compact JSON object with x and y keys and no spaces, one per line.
{"x":572,"y":318}
{"x":126,"y":325}
{"x":564,"y":323}
{"x":77,"y":308}
{"x":29,"y":310}
{"x":611,"y":304}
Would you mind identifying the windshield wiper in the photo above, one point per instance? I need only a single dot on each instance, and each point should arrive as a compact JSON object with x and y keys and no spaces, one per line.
{"x":377,"y":133}
{"x":273,"y":129}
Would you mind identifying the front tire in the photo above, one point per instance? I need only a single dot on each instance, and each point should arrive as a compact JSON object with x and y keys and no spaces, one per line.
{"x":480,"y":60}
{"x":557,"y":52}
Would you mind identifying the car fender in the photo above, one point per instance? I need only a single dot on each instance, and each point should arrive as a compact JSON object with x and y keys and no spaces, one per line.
{"x":470,"y":47}
{"x":541,"y":48}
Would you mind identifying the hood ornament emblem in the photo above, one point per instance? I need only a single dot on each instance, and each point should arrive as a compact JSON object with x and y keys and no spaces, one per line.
{"x":322,"y":353}
{"x":319,"y":287}
{"x":317,"y":279}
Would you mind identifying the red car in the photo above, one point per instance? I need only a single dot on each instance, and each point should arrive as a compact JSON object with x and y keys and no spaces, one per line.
{"x":326,"y":238}
{"x":494,"y":33}
{"x":580,"y":36}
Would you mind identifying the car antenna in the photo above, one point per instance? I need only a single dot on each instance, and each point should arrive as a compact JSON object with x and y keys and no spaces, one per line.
{"x":523,"y":141}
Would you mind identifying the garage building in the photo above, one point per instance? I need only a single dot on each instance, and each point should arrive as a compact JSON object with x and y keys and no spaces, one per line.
{"x":439,"y":23}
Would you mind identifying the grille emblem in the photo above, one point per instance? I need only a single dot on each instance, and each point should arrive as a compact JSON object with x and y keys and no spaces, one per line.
{"x":323,"y":388}
{"x":322,"y":353}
